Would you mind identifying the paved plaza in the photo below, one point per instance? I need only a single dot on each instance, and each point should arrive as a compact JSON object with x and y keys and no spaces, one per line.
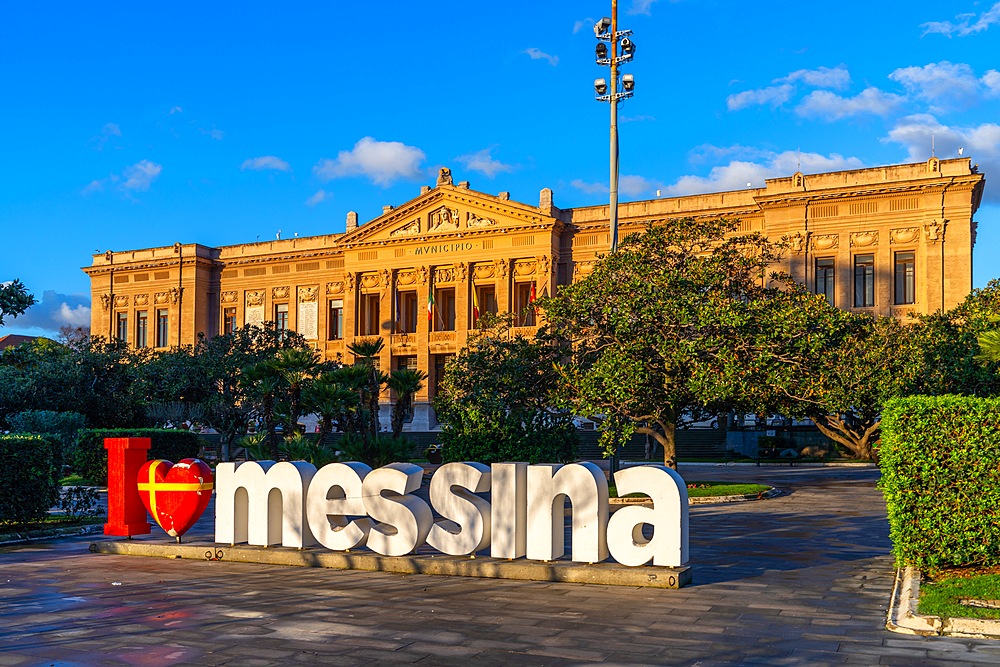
{"x":802,"y":579}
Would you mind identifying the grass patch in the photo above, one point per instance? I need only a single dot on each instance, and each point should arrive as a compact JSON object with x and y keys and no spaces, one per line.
{"x":10,"y":530}
{"x":702,"y":489}
{"x":943,"y":595}
{"x":77,"y":480}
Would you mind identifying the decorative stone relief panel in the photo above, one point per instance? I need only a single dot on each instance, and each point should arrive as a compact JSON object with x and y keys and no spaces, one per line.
{"x":255,"y":298}
{"x":461,"y":271}
{"x":934,"y":231}
{"x":475,"y":221}
{"x":105,"y":301}
{"x":140,"y":299}
{"x":229,"y":296}
{"x":308,"y":294}
{"x":444,"y":274}
{"x":422,"y":275}
{"x":864,"y":239}
{"x":385,"y":276}
{"x":443,"y":220}
{"x":797,"y":241}
{"x":335,"y":287}
{"x":410,"y":229}
{"x":524,"y":267}
{"x":175,"y":294}
{"x":823,"y":242}
{"x":502,"y":267}
{"x":483,"y":271}
{"x":904,"y":235}
{"x":406,"y":277}
{"x":161,"y":298}
{"x":544,"y":266}
{"x":369,"y":280}
{"x":582,"y":269}
{"x":279,"y":293}
{"x":121,"y":301}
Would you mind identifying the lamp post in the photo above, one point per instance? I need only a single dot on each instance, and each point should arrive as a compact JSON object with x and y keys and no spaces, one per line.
{"x":613,"y":91}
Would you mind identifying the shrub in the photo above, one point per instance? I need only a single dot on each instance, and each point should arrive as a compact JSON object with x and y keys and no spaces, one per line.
{"x":64,"y":425}
{"x":91,"y":459}
{"x":507,"y":441}
{"x":29,"y":486}
{"x":79,"y":502}
{"x":940,"y":461}
{"x":381,"y":450}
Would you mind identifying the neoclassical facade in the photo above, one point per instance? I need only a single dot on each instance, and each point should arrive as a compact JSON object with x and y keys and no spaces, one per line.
{"x":888,"y":240}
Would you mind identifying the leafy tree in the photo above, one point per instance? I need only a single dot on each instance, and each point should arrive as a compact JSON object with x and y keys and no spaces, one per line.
{"x":14,"y":299}
{"x":366,"y":351}
{"x":406,"y":382}
{"x":667,"y":325}
{"x":497,"y":399}
{"x":296,"y":368}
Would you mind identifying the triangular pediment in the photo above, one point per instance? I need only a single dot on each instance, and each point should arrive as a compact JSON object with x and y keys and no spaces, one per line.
{"x":448,"y":211}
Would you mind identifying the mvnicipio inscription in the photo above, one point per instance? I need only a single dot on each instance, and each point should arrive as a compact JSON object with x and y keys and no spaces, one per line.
{"x":348,"y":505}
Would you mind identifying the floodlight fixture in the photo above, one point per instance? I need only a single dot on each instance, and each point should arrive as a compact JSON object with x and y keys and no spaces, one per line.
{"x":602,"y":51}
{"x":600,"y":86}
{"x":628,"y":47}
{"x":602,"y":26}
{"x":628,"y":82}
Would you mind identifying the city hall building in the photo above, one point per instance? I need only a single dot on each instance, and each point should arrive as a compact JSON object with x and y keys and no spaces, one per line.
{"x":889,"y":240}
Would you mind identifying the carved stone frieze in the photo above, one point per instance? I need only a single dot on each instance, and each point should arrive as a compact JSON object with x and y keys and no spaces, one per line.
{"x":229,"y":296}
{"x":524,"y":267}
{"x":443,"y":220}
{"x":483,"y":270}
{"x":370,"y":280}
{"x":444,"y":274}
{"x":335,"y":287}
{"x":279,"y":292}
{"x":475,"y":221}
{"x":307,"y":294}
{"x":255,"y":298}
{"x":410,"y":229}
{"x":406,"y":277}
{"x":121,"y":301}
{"x":140,"y":300}
{"x":934,"y":231}
{"x":864,"y":239}
{"x":161,"y":298}
{"x":823,"y":242}
{"x":904,"y":235}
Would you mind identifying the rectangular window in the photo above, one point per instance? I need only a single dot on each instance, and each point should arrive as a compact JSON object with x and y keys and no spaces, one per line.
{"x":406,"y":315}
{"x":407,"y":362}
{"x":825,"y":281}
{"x":335,"y":323}
{"x":524,"y":312}
{"x":444,"y":309}
{"x":440,"y":360}
{"x":162,"y":327}
{"x":369,"y":322}
{"x":121,"y":327}
{"x":905,"y":275}
{"x":281,"y":316}
{"x":486,"y":300}
{"x":864,"y":281}
{"x":141,"y":329}
{"x":228,"y":320}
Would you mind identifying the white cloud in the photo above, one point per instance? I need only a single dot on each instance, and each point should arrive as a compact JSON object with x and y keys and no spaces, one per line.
{"x":265,"y":162}
{"x":381,"y":161}
{"x":641,"y":7}
{"x":736,"y":174}
{"x":947,"y":83}
{"x":981,"y":143}
{"x":538,"y":54}
{"x":583,"y":23}
{"x":966,"y":25}
{"x":991,"y":80}
{"x":837,"y":78}
{"x":56,"y":310}
{"x":710,"y":153}
{"x":772,"y":95}
{"x":484,"y":163}
{"x":139,"y":176}
{"x":635,"y":119}
{"x":174,"y":110}
{"x":218,"y":135}
{"x":589,"y":188}
{"x":636,"y":186}
{"x":321,"y":195}
{"x":108,"y":132}
{"x":829,"y":106}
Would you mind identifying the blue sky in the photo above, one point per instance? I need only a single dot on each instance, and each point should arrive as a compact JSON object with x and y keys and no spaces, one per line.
{"x":128,"y":125}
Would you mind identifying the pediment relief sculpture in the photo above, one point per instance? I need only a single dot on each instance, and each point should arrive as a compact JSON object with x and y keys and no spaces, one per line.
{"x":443,"y":219}
{"x":409,"y":229}
{"x":475,"y":221}
{"x":255,"y":298}
{"x":904,"y":235}
{"x":335,"y":287}
{"x":307,"y":294}
{"x":483,"y":270}
{"x":864,"y":239}
{"x":406,"y":277}
{"x":229,"y":296}
{"x":279,"y":293}
{"x":824,"y":241}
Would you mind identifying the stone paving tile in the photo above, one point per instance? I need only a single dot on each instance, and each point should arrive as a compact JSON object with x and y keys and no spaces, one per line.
{"x":802,"y":580}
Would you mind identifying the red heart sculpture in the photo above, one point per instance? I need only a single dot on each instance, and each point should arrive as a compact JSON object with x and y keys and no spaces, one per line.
{"x":176,"y":495}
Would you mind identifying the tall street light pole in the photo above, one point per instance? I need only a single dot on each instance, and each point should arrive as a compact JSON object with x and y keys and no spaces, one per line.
{"x":613,"y":91}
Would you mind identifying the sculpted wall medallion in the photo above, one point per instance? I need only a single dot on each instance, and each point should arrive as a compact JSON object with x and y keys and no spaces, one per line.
{"x":406,"y":277}
{"x":307,"y":294}
{"x":797,"y":241}
{"x":524,"y":267}
{"x":582,"y":269}
{"x":140,"y":299}
{"x":369,"y":280}
{"x":904,"y":235}
{"x":161,"y":298}
{"x":121,"y":301}
{"x":336,"y":287}
{"x":934,"y":231}
{"x":255,"y":298}
{"x":444,"y":274}
{"x":825,"y":241}
{"x":175,"y":294}
{"x":279,"y":293}
{"x":864,"y":239}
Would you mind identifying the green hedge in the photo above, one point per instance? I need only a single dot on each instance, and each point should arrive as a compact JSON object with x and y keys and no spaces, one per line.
{"x":91,"y":459}
{"x":940,"y":460}
{"x":29,"y":485}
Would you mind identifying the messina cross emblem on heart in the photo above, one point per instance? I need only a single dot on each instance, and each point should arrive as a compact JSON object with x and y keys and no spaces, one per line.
{"x":176,"y":495}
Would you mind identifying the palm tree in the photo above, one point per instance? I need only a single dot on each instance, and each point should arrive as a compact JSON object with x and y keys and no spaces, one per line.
{"x":264,"y":385}
{"x":366,"y":351}
{"x":406,"y":382}
{"x":296,"y":367}
{"x":334,"y":399}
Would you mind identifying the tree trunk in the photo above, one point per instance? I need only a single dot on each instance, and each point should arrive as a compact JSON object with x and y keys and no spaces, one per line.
{"x":667,"y":440}
{"x":859,"y":441}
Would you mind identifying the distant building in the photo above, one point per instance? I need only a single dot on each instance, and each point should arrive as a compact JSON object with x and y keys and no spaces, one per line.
{"x":13,"y":340}
{"x":889,"y":240}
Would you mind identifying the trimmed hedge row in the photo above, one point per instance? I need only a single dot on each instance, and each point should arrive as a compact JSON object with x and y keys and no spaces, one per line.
{"x":90,"y":459}
{"x":29,"y":485}
{"x":940,"y":461}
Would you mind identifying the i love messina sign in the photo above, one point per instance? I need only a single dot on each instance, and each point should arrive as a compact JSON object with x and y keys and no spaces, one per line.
{"x":344,"y":506}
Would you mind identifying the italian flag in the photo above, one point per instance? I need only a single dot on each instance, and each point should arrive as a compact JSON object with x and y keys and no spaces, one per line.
{"x":430,"y":305}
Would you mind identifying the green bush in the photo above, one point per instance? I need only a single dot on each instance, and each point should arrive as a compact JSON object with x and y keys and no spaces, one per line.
{"x":29,"y":486}
{"x":507,"y":441}
{"x":382,"y":450}
{"x":940,"y":461}
{"x":63,"y":425}
{"x":91,"y":459}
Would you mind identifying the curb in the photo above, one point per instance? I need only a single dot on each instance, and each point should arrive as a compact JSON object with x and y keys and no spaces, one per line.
{"x":904,"y":619}
{"x":609,"y":574}
{"x":55,"y":532}
{"x":704,"y":500}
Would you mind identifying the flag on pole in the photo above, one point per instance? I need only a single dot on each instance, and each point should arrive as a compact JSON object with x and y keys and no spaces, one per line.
{"x":396,"y":297}
{"x":531,"y":297}
{"x":475,"y":305}
{"x":430,"y":304}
